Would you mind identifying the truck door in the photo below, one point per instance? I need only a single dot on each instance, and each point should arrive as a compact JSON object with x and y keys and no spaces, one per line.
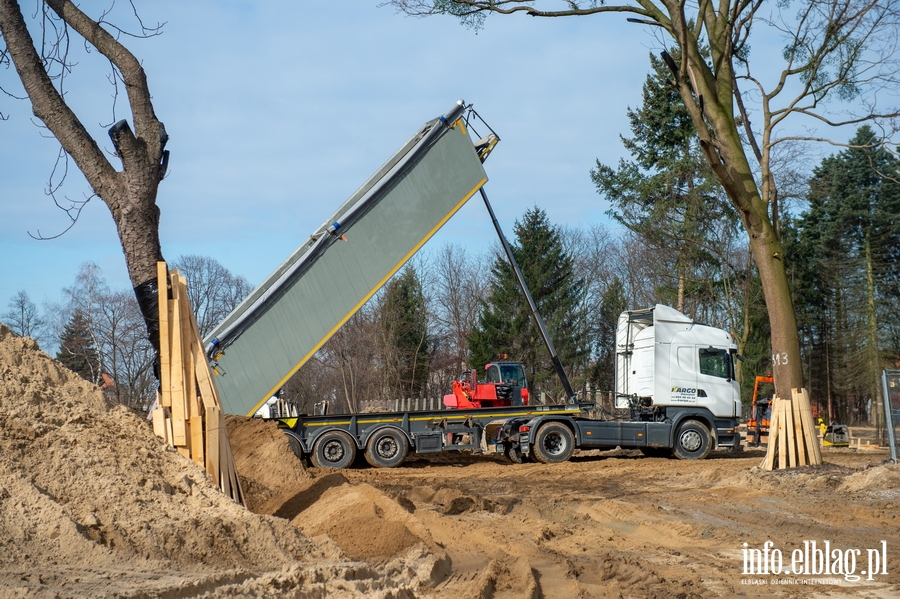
{"x":683,"y":375}
{"x":716,"y":385}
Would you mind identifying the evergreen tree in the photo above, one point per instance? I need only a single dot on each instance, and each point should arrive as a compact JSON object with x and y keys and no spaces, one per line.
{"x":848,"y":274}
{"x":404,"y":322}
{"x":77,"y":351}
{"x":612,"y":304}
{"x":505,"y":325}
{"x":669,"y":197}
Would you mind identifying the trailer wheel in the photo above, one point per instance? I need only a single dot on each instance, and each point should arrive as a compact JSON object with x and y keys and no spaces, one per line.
{"x":334,"y":449}
{"x":295,"y":446}
{"x":387,"y":448}
{"x":553,"y":443}
{"x":692,"y":441}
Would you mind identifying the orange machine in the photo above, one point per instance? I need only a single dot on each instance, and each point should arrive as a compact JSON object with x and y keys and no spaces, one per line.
{"x":504,"y":384}
{"x":760,"y":411}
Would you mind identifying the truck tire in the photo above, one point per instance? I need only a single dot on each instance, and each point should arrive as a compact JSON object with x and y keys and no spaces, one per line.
{"x":295,"y":446}
{"x":514,"y":454}
{"x":553,"y":443}
{"x":387,"y":448}
{"x":656,"y":452}
{"x":334,"y":449}
{"x":692,"y":441}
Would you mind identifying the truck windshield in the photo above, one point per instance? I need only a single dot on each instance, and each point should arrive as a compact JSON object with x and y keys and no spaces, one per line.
{"x":513,"y":373}
{"x":716,"y":362}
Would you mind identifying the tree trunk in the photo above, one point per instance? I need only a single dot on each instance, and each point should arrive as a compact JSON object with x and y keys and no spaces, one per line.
{"x":130,"y":194}
{"x":877,"y":413}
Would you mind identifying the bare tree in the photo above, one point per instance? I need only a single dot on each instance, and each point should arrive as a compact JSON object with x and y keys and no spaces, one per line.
{"x":458,"y":282}
{"x":839,"y":67}
{"x":212,"y":289}
{"x":113,"y":323}
{"x":129,"y":193}
{"x":22,"y":317}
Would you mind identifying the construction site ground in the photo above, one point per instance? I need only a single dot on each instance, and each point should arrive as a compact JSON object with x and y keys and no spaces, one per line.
{"x":92,"y":504}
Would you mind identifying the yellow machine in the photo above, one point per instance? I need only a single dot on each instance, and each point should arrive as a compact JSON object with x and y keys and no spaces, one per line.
{"x":834,"y":435}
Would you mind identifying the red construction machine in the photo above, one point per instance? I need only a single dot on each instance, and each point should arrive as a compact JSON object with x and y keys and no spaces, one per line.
{"x":504,"y":385}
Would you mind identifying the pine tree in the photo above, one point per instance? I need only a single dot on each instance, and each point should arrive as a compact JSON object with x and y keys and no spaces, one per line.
{"x":849,"y":272}
{"x":77,"y":350}
{"x":404,"y":322}
{"x":612,"y":304}
{"x":505,"y":325}
{"x":669,"y":197}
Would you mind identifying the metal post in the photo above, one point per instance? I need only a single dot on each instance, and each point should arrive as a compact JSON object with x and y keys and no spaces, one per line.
{"x":890,"y":413}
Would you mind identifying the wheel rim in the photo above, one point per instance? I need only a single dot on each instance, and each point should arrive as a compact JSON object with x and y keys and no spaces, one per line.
{"x":387,"y":448}
{"x":554,"y":444}
{"x":691,"y":440}
{"x":333,"y":451}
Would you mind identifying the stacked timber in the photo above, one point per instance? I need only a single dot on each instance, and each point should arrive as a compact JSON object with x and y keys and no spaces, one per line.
{"x":188,"y":413}
{"x":792,"y":434}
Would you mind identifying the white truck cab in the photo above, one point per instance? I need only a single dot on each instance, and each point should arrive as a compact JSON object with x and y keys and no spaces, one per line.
{"x":665,"y":359}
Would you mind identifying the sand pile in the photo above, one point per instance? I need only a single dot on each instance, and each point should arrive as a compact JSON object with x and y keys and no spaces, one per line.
{"x":92,"y":477}
{"x":364,"y":522}
{"x":93,"y":504}
{"x":267,"y":467}
{"x":879,"y":478}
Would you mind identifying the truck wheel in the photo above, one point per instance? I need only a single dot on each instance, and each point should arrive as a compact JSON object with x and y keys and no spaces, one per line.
{"x":334,"y":449}
{"x":656,"y":452}
{"x":553,"y":443}
{"x":514,"y":454}
{"x":387,"y":448}
{"x":691,"y":441}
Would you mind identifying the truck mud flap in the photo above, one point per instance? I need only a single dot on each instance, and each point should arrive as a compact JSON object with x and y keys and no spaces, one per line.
{"x":429,"y":442}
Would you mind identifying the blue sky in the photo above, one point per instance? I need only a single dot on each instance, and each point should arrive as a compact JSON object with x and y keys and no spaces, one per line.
{"x":278,"y":111}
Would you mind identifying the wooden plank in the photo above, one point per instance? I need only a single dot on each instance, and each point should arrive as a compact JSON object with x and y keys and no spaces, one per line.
{"x":188,"y":340}
{"x":212,"y":442}
{"x":169,"y":431}
{"x":788,"y":407}
{"x":225,"y":463}
{"x":205,"y":378}
{"x":809,"y":428}
{"x":159,"y":422}
{"x":205,"y":383}
{"x":769,"y":461}
{"x":198,"y":450}
{"x":234,"y":482}
{"x":162,"y":280}
{"x":799,"y":431}
{"x":782,"y":445}
{"x":179,"y":412}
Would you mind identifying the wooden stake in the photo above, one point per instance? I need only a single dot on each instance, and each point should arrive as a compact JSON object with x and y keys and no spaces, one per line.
{"x":187,"y":342}
{"x":162,"y":281}
{"x":179,"y":414}
{"x":788,"y":407}
{"x":799,"y":436}
{"x":159,"y":422}
{"x":809,"y":428}
{"x":212,"y":443}
{"x":198,"y":451}
{"x":768,"y":462}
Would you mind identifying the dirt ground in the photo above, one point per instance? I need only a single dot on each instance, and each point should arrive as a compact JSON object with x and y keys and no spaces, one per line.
{"x":93,"y":505}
